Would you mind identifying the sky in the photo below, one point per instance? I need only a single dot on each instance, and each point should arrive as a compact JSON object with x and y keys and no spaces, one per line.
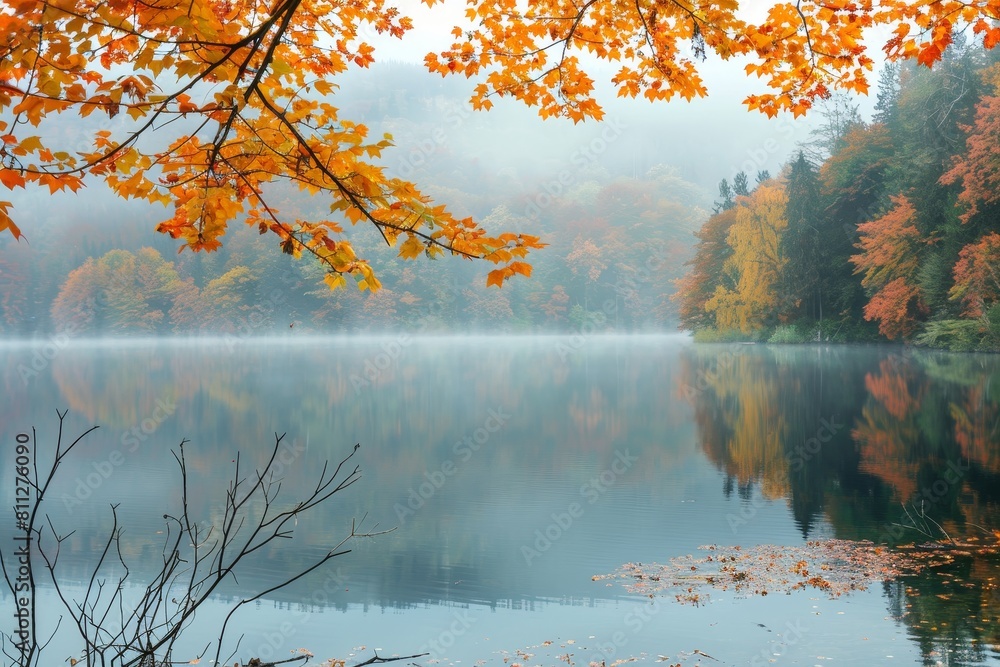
{"x":706,"y":139}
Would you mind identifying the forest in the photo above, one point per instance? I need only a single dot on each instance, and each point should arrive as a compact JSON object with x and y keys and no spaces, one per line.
{"x":881,"y":230}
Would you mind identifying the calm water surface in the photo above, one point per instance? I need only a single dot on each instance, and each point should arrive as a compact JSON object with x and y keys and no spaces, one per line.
{"x":516,"y":469}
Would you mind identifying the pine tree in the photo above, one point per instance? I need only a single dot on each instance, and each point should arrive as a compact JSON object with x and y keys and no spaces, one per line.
{"x":803,"y":240}
{"x":741,"y":185}
{"x":727,"y":198}
{"x":887,"y":97}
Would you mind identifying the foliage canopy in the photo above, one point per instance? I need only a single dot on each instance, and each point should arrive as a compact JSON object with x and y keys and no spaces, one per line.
{"x":205,"y":105}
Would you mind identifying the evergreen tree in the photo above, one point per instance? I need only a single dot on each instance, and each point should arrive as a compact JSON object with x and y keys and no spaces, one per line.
{"x":802,"y":241}
{"x":887,"y":97}
{"x":855,"y":182}
{"x":726,"y":197}
{"x":741,"y":184}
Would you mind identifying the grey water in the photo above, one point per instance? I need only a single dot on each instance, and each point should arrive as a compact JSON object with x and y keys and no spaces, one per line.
{"x":512,"y":470}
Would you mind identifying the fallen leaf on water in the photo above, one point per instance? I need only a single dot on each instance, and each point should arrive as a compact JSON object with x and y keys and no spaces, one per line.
{"x":847,"y":566}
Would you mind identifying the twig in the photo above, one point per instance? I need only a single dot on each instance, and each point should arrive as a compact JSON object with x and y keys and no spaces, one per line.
{"x":377,"y":659}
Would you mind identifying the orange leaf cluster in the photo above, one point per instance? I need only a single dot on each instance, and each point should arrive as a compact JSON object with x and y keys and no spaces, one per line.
{"x":802,"y":50}
{"x":889,"y":259}
{"x":253,"y":79}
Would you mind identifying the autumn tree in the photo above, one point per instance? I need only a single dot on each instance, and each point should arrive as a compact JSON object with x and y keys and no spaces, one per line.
{"x":889,"y":259}
{"x":934,"y":113}
{"x":708,"y":271}
{"x":757,"y":261}
{"x":75,"y":306}
{"x":854,"y":182}
{"x":977,"y":275}
{"x":555,"y":307}
{"x":159,"y":284}
{"x":229,"y":304}
{"x":118,"y":293}
{"x":488,"y":310}
{"x":977,"y":170}
{"x":856,"y":174}
{"x":586,"y":260}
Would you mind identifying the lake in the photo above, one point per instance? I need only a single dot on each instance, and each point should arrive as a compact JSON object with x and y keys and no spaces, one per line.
{"x":516,"y":469}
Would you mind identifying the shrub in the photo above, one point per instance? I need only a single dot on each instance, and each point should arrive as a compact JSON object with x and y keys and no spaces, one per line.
{"x":787,"y":334}
{"x":954,"y":335}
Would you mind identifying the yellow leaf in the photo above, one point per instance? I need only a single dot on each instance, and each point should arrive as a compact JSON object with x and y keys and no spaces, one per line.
{"x":334,"y":280}
{"x":281,"y":67}
{"x":411,"y":248}
{"x":521,"y":267}
{"x":31,"y":144}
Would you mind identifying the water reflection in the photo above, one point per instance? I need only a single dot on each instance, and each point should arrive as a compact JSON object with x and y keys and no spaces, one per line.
{"x":477,"y":449}
{"x":896,"y":447}
{"x":554,"y":423}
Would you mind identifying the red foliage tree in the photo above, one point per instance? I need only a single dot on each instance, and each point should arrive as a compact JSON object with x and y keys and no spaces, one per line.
{"x":978,"y":169}
{"x":977,"y":275}
{"x":889,"y":259}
